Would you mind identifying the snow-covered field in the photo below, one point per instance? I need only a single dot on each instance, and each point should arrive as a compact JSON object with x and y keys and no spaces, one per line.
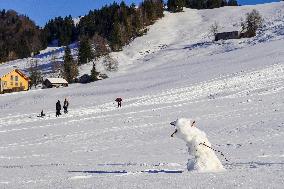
{"x":233,"y":89}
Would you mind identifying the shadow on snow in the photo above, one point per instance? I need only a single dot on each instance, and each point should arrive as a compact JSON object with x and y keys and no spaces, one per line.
{"x":124,"y":171}
{"x":254,"y":164}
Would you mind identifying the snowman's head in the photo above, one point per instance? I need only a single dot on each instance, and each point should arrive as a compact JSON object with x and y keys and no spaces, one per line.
{"x":182,"y":126}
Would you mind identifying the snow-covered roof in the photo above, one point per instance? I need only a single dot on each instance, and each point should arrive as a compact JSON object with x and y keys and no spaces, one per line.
{"x":57,"y":80}
{"x":6,"y":70}
{"x":227,"y":31}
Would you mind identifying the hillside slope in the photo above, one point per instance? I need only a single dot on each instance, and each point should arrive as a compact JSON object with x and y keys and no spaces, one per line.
{"x":233,"y":89}
{"x":187,"y":34}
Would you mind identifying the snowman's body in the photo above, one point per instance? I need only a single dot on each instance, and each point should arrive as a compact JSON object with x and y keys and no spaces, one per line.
{"x":204,"y":158}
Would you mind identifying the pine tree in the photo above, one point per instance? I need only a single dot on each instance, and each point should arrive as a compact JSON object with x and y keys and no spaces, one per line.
{"x":86,"y":53}
{"x":196,"y":4}
{"x":214,"y":4}
{"x":151,"y":11}
{"x":209,"y":4}
{"x":224,"y":3}
{"x":116,"y":39}
{"x":70,"y":67}
{"x":252,"y":23}
{"x":232,"y":3}
{"x":137,"y":21}
{"x":94,"y":73}
{"x":61,"y":29}
{"x":19,"y":36}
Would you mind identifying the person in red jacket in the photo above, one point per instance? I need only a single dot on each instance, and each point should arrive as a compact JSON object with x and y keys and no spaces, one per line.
{"x":118,"y":100}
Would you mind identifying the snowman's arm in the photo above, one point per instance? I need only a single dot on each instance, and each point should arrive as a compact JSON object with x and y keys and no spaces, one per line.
{"x":172,"y":135}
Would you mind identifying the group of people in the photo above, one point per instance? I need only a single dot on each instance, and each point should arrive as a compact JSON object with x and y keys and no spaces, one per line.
{"x":58,"y":107}
{"x":66,"y":104}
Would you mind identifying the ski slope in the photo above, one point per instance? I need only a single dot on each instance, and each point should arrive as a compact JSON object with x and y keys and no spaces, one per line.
{"x":233,"y":89}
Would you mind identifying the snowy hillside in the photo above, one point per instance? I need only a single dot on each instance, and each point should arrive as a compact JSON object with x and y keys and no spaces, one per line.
{"x":233,"y":89}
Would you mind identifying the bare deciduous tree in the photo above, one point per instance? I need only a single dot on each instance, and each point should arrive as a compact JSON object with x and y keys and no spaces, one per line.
{"x":35,"y":73}
{"x":110,"y":64}
{"x":101,"y":46}
{"x":214,"y":28}
{"x":55,"y":65}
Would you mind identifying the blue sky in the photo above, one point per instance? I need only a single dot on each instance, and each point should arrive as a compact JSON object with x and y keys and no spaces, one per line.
{"x":253,"y":2}
{"x":42,"y":10}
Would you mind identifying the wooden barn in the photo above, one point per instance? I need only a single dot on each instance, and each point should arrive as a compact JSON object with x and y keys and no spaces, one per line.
{"x":13,"y":80}
{"x":227,"y":35}
{"x":54,"y":82}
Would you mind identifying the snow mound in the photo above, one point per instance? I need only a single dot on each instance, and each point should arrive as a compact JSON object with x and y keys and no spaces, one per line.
{"x":204,"y":158}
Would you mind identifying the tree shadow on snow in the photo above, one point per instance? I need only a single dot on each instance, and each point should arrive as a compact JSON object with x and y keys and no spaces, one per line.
{"x":162,"y":171}
{"x":124,"y":171}
{"x":205,"y":44}
{"x":198,"y":45}
{"x":253,"y":164}
{"x":100,"y":172}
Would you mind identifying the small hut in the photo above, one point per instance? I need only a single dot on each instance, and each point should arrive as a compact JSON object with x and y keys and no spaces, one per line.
{"x":54,"y":82}
{"x":227,"y":35}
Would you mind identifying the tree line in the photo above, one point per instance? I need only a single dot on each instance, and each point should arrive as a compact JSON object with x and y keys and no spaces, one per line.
{"x":107,"y":29}
{"x":118,"y":24}
{"x":102,"y":31}
{"x":19,"y":36}
{"x":61,"y":31}
{"x":177,"y":5}
{"x":112,"y":26}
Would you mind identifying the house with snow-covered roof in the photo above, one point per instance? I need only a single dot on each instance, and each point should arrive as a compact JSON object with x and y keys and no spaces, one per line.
{"x":13,"y":80}
{"x":54,"y":82}
{"x":227,"y":35}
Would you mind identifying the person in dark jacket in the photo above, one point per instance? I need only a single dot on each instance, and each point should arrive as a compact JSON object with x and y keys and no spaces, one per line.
{"x":58,"y":108}
{"x":65,"y":106}
{"x":118,"y":100}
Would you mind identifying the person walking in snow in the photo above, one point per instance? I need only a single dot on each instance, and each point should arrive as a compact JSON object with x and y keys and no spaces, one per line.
{"x":118,"y":100}
{"x":65,"y":106}
{"x":58,"y":108}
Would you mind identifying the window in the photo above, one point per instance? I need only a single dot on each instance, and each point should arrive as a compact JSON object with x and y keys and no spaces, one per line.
{"x":16,"y":78}
{"x":11,"y":83}
{"x":16,"y":84}
{"x":12,"y":78}
{"x":21,"y":84}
